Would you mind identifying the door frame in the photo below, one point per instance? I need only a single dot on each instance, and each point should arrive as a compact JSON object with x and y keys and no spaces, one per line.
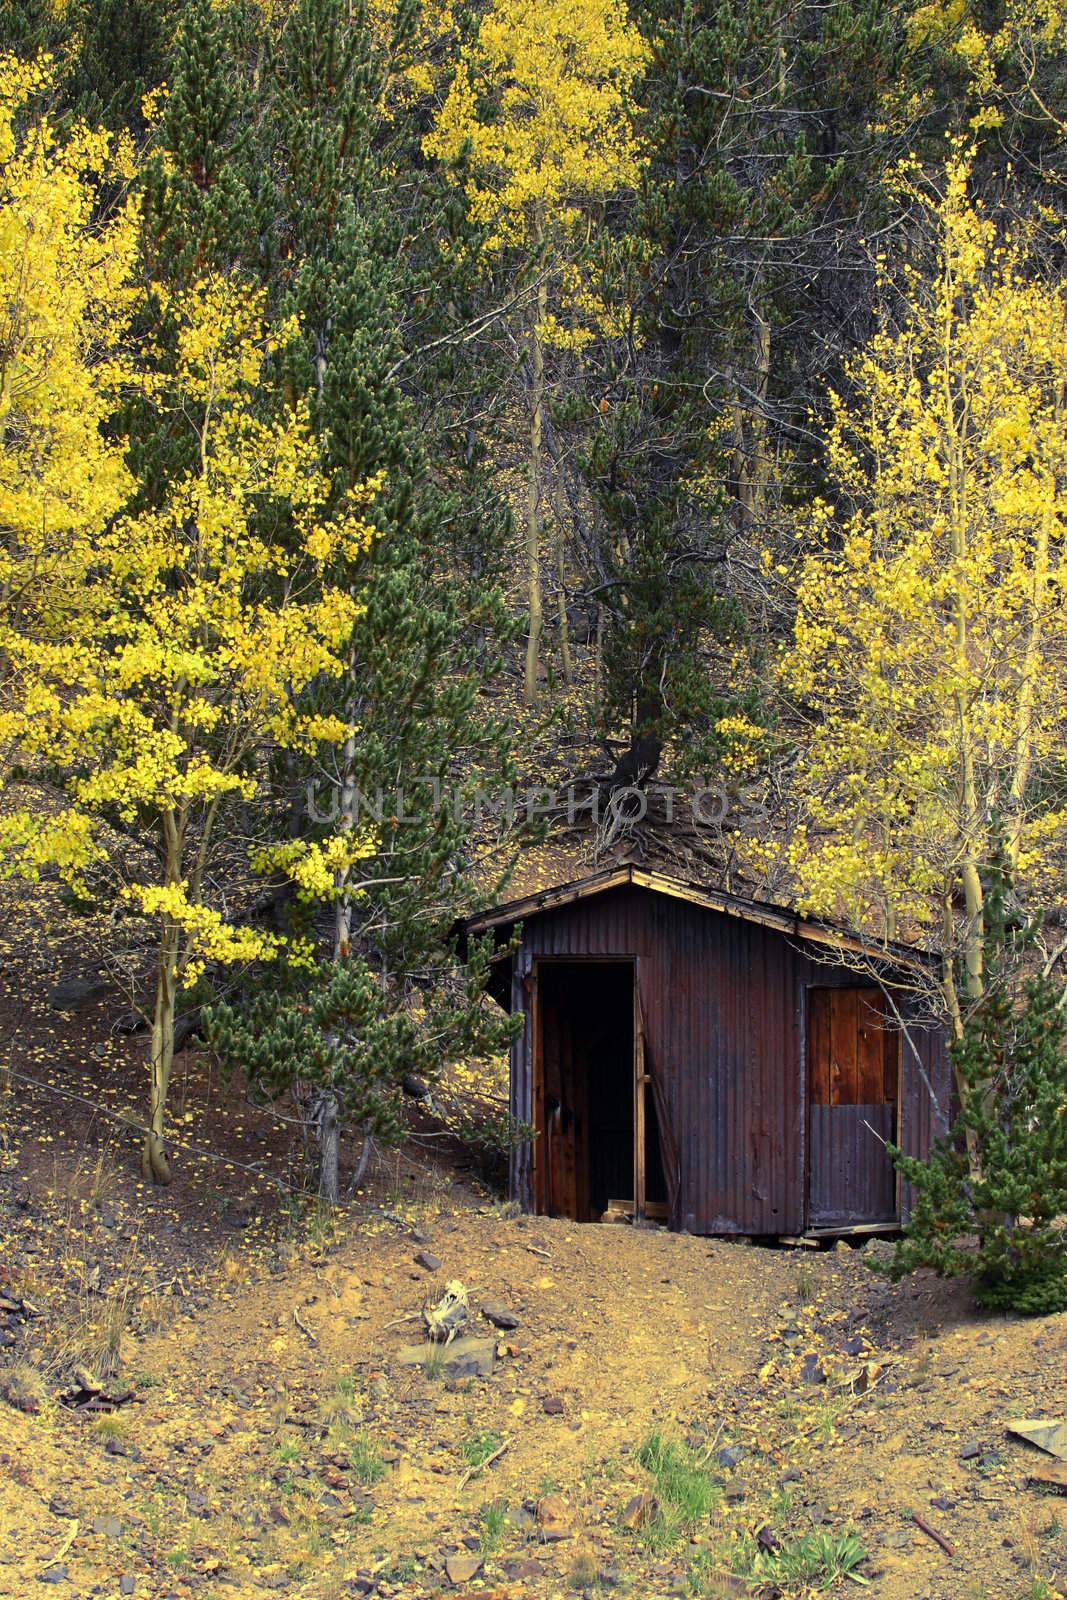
{"x":640,"y":1077}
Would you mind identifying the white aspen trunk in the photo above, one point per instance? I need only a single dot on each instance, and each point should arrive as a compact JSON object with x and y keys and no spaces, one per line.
{"x":155,"y":1167}
{"x":325,"y":1107}
{"x":561,"y":586}
{"x":969,"y":829}
{"x":533,"y":497}
{"x":1023,"y":752}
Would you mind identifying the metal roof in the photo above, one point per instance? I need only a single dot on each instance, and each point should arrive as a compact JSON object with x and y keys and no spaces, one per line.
{"x":793,"y":924}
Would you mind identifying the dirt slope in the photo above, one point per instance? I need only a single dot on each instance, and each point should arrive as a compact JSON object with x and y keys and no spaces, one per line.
{"x":276,"y":1444}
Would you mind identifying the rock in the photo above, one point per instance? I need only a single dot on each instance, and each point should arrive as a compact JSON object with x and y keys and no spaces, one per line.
{"x":552,"y":1405}
{"x":463,"y":1358}
{"x":72,"y":994}
{"x":524,"y":1570}
{"x":970,"y":1450}
{"x":813,"y":1370}
{"x":110,"y":1527}
{"x":942,"y":1502}
{"x":1049,"y":1434}
{"x":420,"y":1236}
{"x":735,"y":1492}
{"x":127,"y":1583}
{"x":790,"y":1475}
{"x":444,"y":1319}
{"x":431,"y":1263}
{"x":553,"y":1518}
{"x":841,"y":1248}
{"x":499,"y":1315}
{"x":639,"y":1512}
{"x":898,"y":1538}
{"x":880,"y":1249}
{"x":461,"y":1569}
{"x":56,"y":1574}
{"x":730,"y":1455}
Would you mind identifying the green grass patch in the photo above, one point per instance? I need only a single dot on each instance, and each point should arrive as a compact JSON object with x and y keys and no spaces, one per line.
{"x":492,"y":1522}
{"x":684,"y":1485}
{"x":367,"y":1466}
{"x":477,"y":1447}
{"x":807,"y":1560}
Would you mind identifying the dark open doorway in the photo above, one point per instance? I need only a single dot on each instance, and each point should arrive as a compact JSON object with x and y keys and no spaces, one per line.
{"x":598,"y":1147}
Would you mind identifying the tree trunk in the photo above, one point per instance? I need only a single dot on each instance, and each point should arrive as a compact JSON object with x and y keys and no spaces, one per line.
{"x":155,"y":1167}
{"x":1023,"y":753}
{"x":364,"y":1159}
{"x":533,"y":500}
{"x":561,"y":585}
{"x":325,"y":1107}
{"x":329,"y":1141}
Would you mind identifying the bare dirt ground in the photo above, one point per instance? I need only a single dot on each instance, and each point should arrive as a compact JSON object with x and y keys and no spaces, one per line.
{"x":275,"y":1443}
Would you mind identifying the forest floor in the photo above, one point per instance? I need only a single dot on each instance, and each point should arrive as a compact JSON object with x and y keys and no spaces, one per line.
{"x":670,"y":1416}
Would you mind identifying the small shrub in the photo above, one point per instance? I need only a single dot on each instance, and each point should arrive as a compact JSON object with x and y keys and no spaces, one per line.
{"x":23,"y":1387}
{"x":110,"y":1426}
{"x":492,"y":1521}
{"x":478,"y":1447}
{"x":583,"y":1571}
{"x":815,"y":1559}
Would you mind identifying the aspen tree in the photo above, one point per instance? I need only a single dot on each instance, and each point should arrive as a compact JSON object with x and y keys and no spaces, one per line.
{"x":541,"y":101}
{"x":930,"y":649}
{"x":148,"y":710}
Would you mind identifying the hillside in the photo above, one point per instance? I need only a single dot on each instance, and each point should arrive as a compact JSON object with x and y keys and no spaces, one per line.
{"x":273,"y":1441}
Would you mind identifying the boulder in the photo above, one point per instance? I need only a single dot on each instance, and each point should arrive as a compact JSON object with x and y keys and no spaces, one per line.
{"x":74,"y":994}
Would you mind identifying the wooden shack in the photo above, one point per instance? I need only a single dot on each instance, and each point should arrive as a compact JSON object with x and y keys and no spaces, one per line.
{"x":724,"y":1065}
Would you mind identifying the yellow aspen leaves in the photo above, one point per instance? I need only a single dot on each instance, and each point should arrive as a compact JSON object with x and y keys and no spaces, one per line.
{"x":931,"y":632}
{"x":558,"y":76}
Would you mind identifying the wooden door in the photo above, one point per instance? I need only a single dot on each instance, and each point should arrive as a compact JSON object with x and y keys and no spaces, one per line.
{"x":853,"y":1073}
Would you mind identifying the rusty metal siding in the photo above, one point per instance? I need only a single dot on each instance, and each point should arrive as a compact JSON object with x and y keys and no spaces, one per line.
{"x":927,"y":1095}
{"x":723,"y":1002}
{"x":722,"y":1021}
{"x":851,"y":1179}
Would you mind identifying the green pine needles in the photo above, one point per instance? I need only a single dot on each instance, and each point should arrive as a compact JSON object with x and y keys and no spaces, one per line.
{"x":992,"y":1199}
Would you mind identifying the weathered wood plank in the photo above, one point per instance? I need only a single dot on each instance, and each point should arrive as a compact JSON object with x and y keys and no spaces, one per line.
{"x":819,"y":1046}
{"x":843,"y":1042}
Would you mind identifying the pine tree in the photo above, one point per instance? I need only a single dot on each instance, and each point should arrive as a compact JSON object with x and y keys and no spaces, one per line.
{"x":200,"y":214}
{"x":1001,"y":1177}
{"x":741,"y":267}
{"x":334,"y":1036}
{"x":348,"y":253}
{"x":122,"y":56}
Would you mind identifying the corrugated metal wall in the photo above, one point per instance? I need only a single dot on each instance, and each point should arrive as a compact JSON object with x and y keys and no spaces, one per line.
{"x":723,"y":1003}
